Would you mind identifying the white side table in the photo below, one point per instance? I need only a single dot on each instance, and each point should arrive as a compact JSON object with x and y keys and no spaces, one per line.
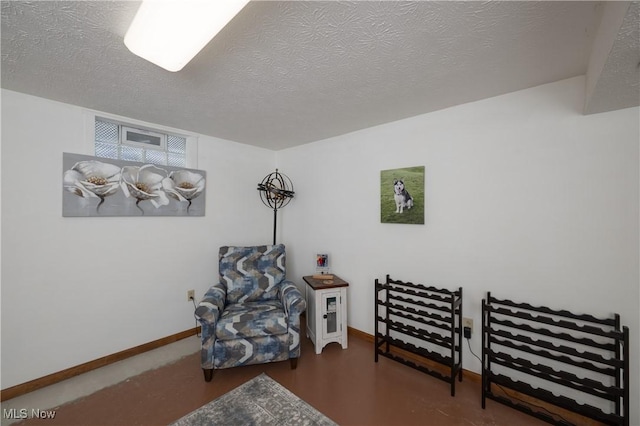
{"x":326,"y":311}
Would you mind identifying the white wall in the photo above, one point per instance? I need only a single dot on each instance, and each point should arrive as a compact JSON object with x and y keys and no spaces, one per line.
{"x":525,"y":197}
{"x":76,"y":289}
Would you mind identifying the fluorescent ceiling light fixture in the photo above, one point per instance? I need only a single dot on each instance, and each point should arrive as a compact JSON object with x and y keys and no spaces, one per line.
{"x":169,"y":33}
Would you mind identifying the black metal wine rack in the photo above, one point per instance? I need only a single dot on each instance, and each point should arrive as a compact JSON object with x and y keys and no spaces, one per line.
{"x":431,"y":318}
{"x":550,"y":355}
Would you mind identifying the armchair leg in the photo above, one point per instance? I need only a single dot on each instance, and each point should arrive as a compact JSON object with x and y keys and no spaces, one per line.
{"x":208,"y":374}
{"x":294,"y":363}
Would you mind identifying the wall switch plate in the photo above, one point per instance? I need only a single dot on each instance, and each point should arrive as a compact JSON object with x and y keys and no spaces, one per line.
{"x":191,"y":295}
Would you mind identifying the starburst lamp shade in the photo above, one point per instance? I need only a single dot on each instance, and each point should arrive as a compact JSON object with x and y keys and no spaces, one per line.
{"x":276,"y":190}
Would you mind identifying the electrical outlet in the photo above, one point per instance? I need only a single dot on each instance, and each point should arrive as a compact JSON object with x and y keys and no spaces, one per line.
{"x":467,"y":323}
{"x":191,"y":295}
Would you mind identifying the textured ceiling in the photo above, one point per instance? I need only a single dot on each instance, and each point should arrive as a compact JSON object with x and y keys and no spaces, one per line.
{"x":287,"y":73}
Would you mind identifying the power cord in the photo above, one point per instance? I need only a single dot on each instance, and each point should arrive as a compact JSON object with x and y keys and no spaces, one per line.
{"x":514,"y":397}
{"x":194,"y":316}
{"x":471,"y":350}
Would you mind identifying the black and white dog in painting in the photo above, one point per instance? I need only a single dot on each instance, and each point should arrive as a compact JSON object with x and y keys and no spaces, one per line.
{"x":401,"y":195}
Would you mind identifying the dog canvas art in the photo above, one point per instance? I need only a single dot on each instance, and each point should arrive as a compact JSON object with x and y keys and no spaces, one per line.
{"x":402,"y":197}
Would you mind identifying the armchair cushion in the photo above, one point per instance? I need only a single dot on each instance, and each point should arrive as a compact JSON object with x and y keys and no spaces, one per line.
{"x":252,"y":319}
{"x":252,"y":273}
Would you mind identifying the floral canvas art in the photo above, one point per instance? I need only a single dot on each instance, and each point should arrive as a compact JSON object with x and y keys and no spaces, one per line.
{"x":95,"y":186}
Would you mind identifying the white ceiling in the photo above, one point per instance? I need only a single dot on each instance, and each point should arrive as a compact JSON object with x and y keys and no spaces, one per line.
{"x":285,"y":73}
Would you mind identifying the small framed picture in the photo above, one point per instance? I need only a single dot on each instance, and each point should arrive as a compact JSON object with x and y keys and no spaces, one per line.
{"x":322,"y":263}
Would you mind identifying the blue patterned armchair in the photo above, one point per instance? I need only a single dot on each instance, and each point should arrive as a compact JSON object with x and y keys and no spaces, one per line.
{"x":252,"y":315}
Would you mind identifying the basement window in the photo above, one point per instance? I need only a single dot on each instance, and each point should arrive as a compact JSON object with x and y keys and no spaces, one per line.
{"x":120,"y":141}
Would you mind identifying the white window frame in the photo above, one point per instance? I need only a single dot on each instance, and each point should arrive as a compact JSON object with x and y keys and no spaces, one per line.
{"x":125,"y":129}
{"x":90,"y":116}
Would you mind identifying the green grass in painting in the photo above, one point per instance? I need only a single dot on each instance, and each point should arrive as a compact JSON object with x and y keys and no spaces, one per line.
{"x":413,"y":178}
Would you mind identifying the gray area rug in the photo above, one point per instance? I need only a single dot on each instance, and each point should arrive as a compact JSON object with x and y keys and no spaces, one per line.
{"x":260,"y":401}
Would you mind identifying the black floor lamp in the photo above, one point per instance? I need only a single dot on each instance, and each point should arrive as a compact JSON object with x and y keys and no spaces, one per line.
{"x":276,"y":190}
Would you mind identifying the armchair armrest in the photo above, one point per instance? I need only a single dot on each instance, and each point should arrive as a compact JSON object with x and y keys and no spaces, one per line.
{"x":292,"y":300}
{"x":294,"y":305}
{"x":211,"y":305}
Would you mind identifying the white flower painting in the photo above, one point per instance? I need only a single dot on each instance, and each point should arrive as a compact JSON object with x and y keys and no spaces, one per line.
{"x":144,"y":183}
{"x":104,"y":187}
{"x":184,"y":185}
{"x":92,"y":179}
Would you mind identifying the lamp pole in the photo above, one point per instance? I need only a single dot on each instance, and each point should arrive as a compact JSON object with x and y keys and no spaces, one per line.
{"x":275,"y":224}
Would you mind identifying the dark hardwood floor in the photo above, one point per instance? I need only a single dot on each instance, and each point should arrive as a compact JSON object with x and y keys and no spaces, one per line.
{"x":346,"y":385}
